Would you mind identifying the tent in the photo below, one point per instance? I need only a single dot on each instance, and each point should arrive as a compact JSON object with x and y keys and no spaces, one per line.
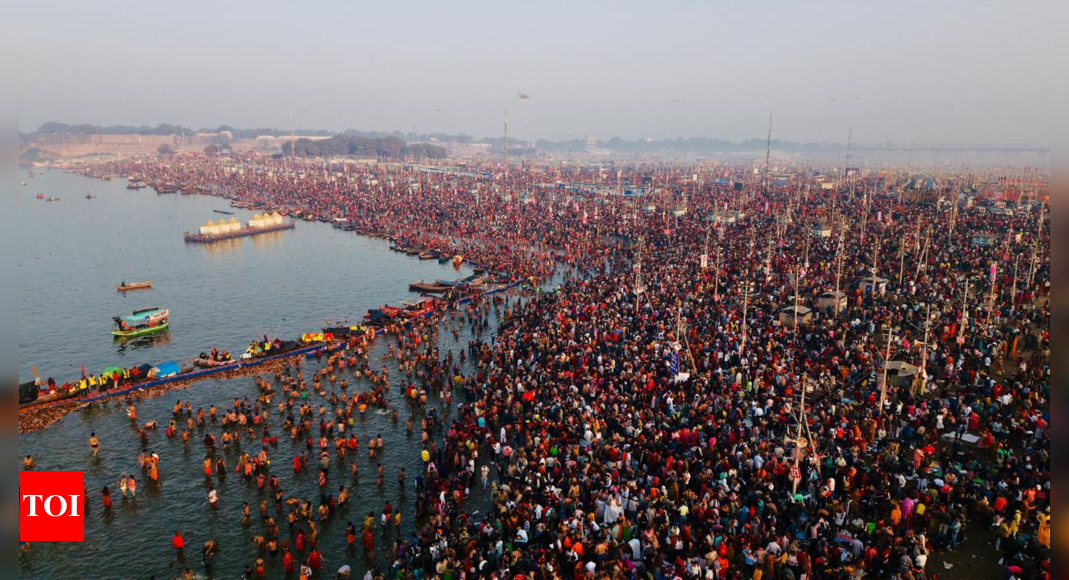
{"x":108,"y":372}
{"x":164,"y":370}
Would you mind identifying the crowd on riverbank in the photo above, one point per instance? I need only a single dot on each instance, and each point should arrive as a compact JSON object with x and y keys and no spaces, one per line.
{"x":661,"y":416}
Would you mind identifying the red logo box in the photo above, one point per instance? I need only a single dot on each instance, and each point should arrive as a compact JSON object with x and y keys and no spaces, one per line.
{"x":51,"y":506}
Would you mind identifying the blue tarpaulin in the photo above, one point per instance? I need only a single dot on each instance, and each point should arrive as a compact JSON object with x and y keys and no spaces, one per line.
{"x":167,"y":369}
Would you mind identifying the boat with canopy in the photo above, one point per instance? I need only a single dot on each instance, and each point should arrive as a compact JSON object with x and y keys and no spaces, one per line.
{"x":141,"y":322}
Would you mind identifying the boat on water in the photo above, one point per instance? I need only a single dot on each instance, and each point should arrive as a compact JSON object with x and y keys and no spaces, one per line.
{"x":382,"y":316}
{"x":458,"y":260}
{"x":89,"y":196}
{"x":420,"y":307}
{"x":223,"y":211}
{"x":24,"y":184}
{"x":428,"y":255}
{"x":437,"y":287}
{"x":229,"y":229}
{"x":124,"y":287}
{"x":141,"y":322}
{"x":51,"y":199}
{"x":206,"y":361}
{"x":163,"y":188}
{"x":40,"y":196}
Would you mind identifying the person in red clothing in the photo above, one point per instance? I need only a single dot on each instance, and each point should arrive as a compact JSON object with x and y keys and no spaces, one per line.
{"x":106,"y":496}
{"x":315,"y":560}
{"x":287,"y":562}
{"x":177,"y":541}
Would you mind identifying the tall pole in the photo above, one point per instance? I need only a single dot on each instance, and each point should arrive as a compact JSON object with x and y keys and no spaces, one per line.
{"x":638,"y":277}
{"x":875,"y":258}
{"x":505,"y":152}
{"x":886,"y":364}
{"x":797,"y":299}
{"x":716,"y":285}
{"x":293,"y":142}
{"x":768,"y":154}
{"x":1013,"y":292}
{"x":864,"y":216}
{"x":964,"y":313}
{"x":745,"y":310}
{"x":924,"y":350}
{"x":839,"y":272}
{"x":901,"y":263}
{"x":800,"y":417}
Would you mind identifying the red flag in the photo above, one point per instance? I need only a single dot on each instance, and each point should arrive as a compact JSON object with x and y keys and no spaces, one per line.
{"x":83,"y":370}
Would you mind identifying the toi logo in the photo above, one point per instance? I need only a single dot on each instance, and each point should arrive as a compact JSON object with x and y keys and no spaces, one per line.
{"x":51,"y":506}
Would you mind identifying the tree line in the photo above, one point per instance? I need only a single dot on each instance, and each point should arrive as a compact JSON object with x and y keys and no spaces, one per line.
{"x":360,"y":146}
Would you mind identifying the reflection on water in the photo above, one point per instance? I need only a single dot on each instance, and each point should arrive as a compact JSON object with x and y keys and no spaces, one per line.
{"x":222,"y":246}
{"x":268,"y":239}
{"x":141,"y":342}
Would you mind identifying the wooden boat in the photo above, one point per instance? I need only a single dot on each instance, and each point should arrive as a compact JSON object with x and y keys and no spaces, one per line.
{"x":382,"y":316}
{"x":141,"y":322}
{"x":428,"y":255}
{"x":420,"y":307}
{"x":223,"y":211}
{"x":436,"y":288}
{"x":134,"y":286}
{"x":40,"y":196}
{"x":134,"y":332}
{"x":52,"y":199}
{"x":206,"y":362}
{"x":89,"y":196}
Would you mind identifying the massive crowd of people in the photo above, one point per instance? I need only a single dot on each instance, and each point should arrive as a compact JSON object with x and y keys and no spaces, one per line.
{"x":667,"y":412}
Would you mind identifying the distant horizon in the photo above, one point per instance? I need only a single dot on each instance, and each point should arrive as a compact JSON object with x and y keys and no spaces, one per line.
{"x":299,"y":132}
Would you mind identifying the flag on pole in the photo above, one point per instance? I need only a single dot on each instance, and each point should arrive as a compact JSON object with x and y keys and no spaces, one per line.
{"x":672,"y":357}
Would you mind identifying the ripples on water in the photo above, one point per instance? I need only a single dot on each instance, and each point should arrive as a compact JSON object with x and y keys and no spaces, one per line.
{"x":73,"y":254}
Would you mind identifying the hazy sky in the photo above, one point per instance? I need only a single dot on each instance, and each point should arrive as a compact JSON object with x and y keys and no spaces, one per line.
{"x":931,"y":71}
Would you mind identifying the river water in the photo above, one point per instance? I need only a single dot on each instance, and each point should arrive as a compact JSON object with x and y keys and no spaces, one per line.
{"x":75,"y":251}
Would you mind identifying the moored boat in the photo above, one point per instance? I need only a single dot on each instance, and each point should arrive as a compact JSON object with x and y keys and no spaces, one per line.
{"x":431,"y":288}
{"x":141,"y":322}
{"x":420,"y":307}
{"x":205,"y":361}
{"x":124,"y":287}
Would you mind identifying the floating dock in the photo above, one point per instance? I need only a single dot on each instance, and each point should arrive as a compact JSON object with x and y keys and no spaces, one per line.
{"x":240,"y":233}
